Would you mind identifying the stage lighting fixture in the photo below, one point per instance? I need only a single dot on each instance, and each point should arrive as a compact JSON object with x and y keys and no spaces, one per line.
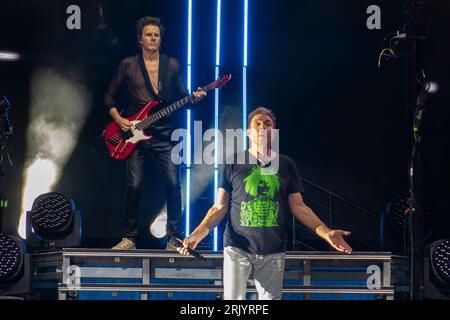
{"x":397,"y":213}
{"x":440,"y":261}
{"x":437,"y":270}
{"x":394,"y":225}
{"x":9,"y":56}
{"x":15,"y":266}
{"x":11,"y":258}
{"x":53,"y":222}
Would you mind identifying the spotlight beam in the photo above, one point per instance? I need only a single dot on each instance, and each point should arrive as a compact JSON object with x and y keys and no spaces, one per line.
{"x":59,"y":107}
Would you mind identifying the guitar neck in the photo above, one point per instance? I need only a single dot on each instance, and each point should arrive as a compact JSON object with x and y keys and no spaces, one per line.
{"x":169,"y":109}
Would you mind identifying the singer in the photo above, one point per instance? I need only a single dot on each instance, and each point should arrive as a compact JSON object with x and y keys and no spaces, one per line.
{"x":255,"y":236}
{"x":149,"y":76}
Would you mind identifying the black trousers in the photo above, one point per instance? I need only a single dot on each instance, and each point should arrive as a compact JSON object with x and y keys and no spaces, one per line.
{"x":135,"y":165}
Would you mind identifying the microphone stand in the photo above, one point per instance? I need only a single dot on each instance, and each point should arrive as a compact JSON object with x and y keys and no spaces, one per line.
{"x":417,"y":12}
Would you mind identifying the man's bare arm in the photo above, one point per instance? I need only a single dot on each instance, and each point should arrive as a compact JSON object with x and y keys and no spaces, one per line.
{"x":305,"y":215}
{"x":214,"y":216}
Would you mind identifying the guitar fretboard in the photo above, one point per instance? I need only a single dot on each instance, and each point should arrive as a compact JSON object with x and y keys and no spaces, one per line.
{"x":169,"y":109}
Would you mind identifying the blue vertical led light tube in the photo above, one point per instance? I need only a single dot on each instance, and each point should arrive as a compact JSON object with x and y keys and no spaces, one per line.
{"x":244,"y":76}
{"x":216,"y":115}
{"x":188,"y":124}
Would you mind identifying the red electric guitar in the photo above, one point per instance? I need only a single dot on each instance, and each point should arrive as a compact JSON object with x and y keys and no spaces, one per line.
{"x":122,"y":143}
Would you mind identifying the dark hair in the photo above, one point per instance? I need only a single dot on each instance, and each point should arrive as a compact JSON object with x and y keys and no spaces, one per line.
{"x":262,"y":110}
{"x":149,"y":21}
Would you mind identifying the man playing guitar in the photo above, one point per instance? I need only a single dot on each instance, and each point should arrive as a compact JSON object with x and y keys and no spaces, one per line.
{"x":149,"y":76}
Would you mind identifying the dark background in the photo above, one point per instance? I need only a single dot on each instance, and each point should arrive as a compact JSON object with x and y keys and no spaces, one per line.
{"x":313,"y":62}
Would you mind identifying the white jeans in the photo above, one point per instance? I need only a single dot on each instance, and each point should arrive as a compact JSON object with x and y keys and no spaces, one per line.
{"x":267,"y":271}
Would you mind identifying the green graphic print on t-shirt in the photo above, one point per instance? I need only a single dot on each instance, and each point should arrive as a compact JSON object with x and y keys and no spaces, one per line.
{"x":261,"y":210}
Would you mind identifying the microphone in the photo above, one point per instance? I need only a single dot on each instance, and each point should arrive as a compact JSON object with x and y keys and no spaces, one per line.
{"x":179,"y":244}
{"x":261,"y":162}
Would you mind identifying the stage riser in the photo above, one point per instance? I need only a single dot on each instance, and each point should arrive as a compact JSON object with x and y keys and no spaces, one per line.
{"x":210,"y":296}
{"x":96,"y":274}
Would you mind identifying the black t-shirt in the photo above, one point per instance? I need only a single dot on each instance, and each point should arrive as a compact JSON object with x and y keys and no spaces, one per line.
{"x":258,"y":204}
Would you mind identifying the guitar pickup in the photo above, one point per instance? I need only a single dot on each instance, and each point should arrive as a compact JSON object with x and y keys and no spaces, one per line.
{"x":126,"y":135}
{"x":114,"y":141}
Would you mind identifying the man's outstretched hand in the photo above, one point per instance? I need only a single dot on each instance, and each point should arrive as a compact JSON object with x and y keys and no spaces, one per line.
{"x":336,"y":239}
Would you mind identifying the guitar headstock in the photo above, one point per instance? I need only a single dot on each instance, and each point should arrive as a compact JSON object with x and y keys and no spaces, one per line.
{"x":221,"y":81}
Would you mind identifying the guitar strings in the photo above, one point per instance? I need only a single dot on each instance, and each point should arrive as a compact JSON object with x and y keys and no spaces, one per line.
{"x":154,"y":118}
